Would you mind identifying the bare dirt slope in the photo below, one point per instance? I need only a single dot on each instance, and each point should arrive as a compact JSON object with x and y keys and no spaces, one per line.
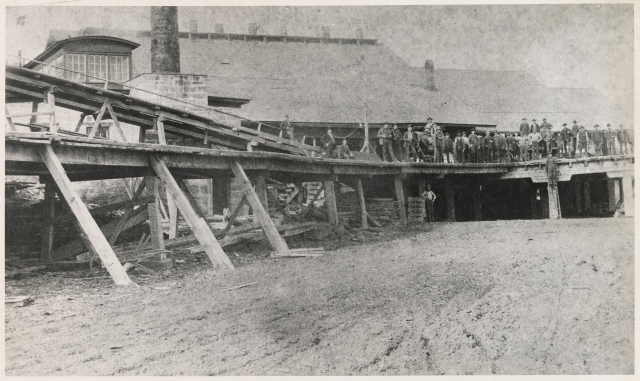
{"x":506,"y":297}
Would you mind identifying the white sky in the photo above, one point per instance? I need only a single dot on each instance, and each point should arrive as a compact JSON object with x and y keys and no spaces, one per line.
{"x":561,"y":45}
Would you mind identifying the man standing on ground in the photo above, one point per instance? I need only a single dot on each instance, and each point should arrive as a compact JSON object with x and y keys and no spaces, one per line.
{"x":286,"y":128}
{"x":408,"y":141}
{"x":524,"y":127}
{"x":574,"y":138}
{"x":582,"y":138}
{"x":623,"y":139}
{"x":473,"y":146}
{"x":430,"y":197}
{"x":598,"y":138}
{"x":610,"y":139}
{"x":329,"y":144}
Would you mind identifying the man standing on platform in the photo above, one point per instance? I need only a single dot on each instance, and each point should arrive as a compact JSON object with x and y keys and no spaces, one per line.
{"x":598,"y":139}
{"x":459,"y":144}
{"x":473,"y":146}
{"x":535,"y":144}
{"x":574,"y":137}
{"x":566,"y":139}
{"x":286,"y":128}
{"x":545,"y":126}
{"x":430,"y":197}
{"x":623,"y":139}
{"x":582,"y":139}
{"x":489,"y":147}
{"x":430,"y":126}
{"x":329,"y":144}
{"x":547,"y":137}
{"x":397,"y":141}
{"x":386,"y":138}
{"x":630,"y":139}
{"x":438,"y":145}
{"x":447,"y":148}
{"x":408,"y":141}
{"x":610,"y":140}
{"x":524,"y":127}
{"x":522,"y":147}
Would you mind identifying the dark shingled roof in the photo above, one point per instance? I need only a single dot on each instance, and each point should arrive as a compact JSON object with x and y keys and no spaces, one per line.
{"x":330,"y":82}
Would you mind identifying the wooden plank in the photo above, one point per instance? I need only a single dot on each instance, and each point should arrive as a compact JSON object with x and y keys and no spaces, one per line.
{"x":29,"y":114}
{"x":115,"y":120}
{"x":107,"y":208}
{"x":96,"y":123}
{"x":155,"y":218}
{"x":259,"y":212}
{"x":363,"y":207}
{"x":313,"y":200}
{"x":49,"y":217}
{"x":80,"y":121}
{"x":198,"y":225}
{"x":330,"y":201}
{"x":77,"y":246}
{"x":173,"y":216}
{"x":158,"y":122}
{"x":400,"y":198}
{"x":9,"y":120}
{"x":34,"y":109}
{"x":95,"y":238}
{"x":233,"y":217}
{"x":291,"y":197}
{"x":261,"y":190}
{"x":127,"y":214}
{"x":51,"y":102}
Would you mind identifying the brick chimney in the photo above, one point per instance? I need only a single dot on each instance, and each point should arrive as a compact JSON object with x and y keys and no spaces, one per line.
{"x":253,"y":28}
{"x":219,"y":28}
{"x":359,"y":34}
{"x":193,"y":26}
{"x":326,"y":31}
{"x":165,"y":48}
{"x":430,"y":76}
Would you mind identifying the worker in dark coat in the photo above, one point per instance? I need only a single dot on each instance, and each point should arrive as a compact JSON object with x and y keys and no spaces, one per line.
{"x":489,"y":147}
{"x":582,"y":139}
{"x":524,"y":127}
{"x":397,"y":141}
{"x":480,"y":148}
{"x":535,"y":127}
{"x":552,"y":170}
{"x":329,"y":144}
{"x":343,"y":151}
{"x":473,"y":147}
{"x":447,"y":149}
{"x":286,"y":128}
{"x":544,"y":126}
{"x":439,"y":145}
{"x":598,"y":139}
{"x":610,"y":140}
{"x":623,"y":139}
{"x":459,"y":144}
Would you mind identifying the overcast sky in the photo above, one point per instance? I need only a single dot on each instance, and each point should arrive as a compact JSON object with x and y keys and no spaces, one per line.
{"x":561,"y":45}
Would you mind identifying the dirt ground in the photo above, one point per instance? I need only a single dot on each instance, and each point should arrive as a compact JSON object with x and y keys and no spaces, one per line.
{"x":500,"y":297}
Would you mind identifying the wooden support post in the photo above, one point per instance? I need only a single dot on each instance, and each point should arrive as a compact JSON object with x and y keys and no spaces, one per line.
{"x":80,"y":121}
{"x":450,"y":195}
{"x":363,"y":207}
{"x":49,"y":217}
{"x":587,"y":196}
{"x":611,"y":193}
{"x":200,"y":228}
{"x":142,"y":132}
{"x":96,"y":122}
{"x":627,"y":195}
{"x":261,"y":190}
{"x":259,"y":212}
{"x":9,"y":120}
{"x":96,"y":240}
{"x":51,"y":101}
{"x":400,"y":197}
{"x":115,"y":120}
{"x":330,"y":201}
{"x":158,"y":122}
{"x":578,"y":194}
{"x":34,"y":109}
{"x":155,"y":217}
{"x":173,"y":216}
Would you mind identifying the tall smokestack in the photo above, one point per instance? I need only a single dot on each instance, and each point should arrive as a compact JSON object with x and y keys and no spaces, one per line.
{"x":165,"y":46}
{"x":429,"y":69}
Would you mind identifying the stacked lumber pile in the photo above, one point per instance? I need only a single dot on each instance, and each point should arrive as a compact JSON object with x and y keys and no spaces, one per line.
{"x":384,"y":210}
{"x":417,"y":210}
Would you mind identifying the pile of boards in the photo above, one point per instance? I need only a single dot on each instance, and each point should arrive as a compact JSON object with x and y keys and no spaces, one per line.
{"x":384,"y":210}
{"x":348,"y":208}
{"x":417,"y":211}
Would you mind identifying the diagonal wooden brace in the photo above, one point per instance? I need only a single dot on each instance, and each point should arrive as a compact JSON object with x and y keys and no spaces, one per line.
{"x":269,"y":228}
{"x":96,"y":240}
{"x":198,"y":224}
{"x":233,"y":217}
{"x":96,"y":123}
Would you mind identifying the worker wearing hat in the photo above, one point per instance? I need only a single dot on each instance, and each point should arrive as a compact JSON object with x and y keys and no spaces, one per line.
{"x":574,"y":133}
{"x":598,"y":139}
{"x":524,"y":127}
{"x":610,"y":140}
{"x":582,"y":139}
{"x":439,"y":144}
{"x":545,"y":125}
{"x":535,"y":126}
{"x":566,"y":140}
{"x":623,"y":139}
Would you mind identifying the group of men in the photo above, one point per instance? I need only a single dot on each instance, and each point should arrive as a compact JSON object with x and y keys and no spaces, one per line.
{"x":536,"y":141}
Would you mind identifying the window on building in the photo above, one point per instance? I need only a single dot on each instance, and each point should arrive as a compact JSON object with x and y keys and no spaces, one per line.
{"x":58,"y":69}
{"x":75,"y":65}
{"x":96,"y":67}
{"x":118,"y":68}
